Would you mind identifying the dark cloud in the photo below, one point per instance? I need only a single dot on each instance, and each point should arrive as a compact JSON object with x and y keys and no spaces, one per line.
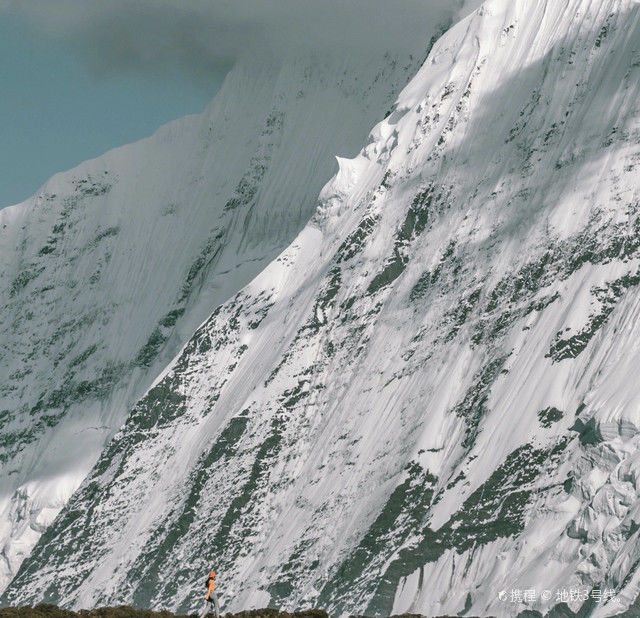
{"x":204,"y":37}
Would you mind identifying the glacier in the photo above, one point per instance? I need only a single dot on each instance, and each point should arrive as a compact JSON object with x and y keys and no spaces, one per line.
{"x":430,"y":395}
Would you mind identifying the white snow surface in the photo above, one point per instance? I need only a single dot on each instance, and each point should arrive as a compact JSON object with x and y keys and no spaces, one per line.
{"x":431,"y":395}
{"x":109,"y":269}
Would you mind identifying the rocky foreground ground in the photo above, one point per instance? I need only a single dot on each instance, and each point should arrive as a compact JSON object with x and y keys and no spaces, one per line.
{"x":51,"y":611}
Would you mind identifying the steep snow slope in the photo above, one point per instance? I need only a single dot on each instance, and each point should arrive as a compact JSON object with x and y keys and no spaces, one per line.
{"x":110,"y":268}
{"x":431,"y":395}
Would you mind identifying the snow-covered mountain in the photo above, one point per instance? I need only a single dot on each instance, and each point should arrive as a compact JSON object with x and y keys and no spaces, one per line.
{"x":111,"y":267}
{"x":431,"y":395}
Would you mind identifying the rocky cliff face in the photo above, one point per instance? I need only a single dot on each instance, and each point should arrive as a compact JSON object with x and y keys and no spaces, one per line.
{"x":431,"y":395}
{"x":110,"y":268}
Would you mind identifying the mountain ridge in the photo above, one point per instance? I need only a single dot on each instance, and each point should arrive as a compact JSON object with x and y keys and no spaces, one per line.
{"x":428,"y":397}
{"x":109,"y":269}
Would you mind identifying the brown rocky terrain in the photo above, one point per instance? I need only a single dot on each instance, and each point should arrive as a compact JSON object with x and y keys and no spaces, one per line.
{"x":123,"y":611}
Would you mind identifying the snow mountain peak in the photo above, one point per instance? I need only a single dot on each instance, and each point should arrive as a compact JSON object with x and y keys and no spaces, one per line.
{"x":426,"y":398}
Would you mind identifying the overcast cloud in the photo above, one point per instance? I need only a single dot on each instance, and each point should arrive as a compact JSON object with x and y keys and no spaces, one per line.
{"x":204,"y":37}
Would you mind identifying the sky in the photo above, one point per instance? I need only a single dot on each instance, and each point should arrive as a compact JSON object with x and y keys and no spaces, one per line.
{"x":81,"y":76}
{"x":57,"y":109}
